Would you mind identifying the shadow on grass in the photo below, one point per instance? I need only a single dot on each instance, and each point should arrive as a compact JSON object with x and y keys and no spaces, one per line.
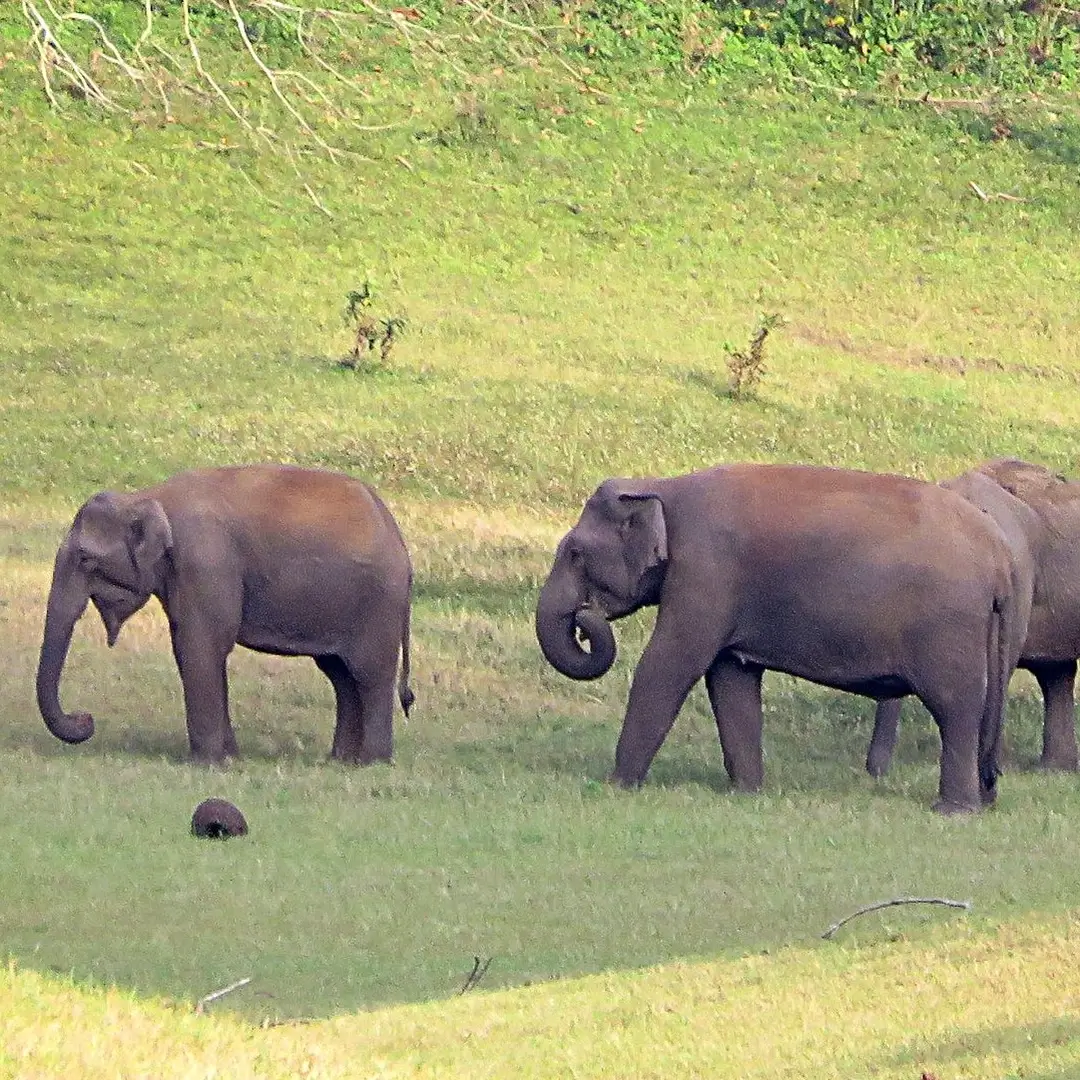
{"x":1018,"y":1040}
{"x":1056,"y":144}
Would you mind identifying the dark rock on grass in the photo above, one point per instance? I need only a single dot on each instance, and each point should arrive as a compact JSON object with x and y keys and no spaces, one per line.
{"x":218,"y":819}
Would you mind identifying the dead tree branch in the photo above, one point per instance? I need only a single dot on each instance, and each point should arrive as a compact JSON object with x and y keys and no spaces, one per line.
{"x":53,"y":56}
{"x":209,"y":998}
{"x":964,"y":904}
{"x":478,"y":972}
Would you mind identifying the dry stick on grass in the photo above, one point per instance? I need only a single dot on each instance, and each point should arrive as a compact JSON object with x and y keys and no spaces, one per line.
{"x":873,"y":98}
{"x":531,"y":31}
{"x":478,"y":972}
{"x":204,"y":1001}
{"x":272,"y":78}
{"x":210,"y":80}
{"x":111,"y":52}
{"x":51,"y":54}
{"x":964,"y":904}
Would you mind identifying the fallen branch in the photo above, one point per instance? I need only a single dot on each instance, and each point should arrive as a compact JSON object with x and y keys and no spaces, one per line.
{"x":478,"y":972}
{"x":51,"y":54}
{"x":897,"y":99}
{"x":204,"y":1001}
{"x":997,"y":195}
{"x":964,"y":904}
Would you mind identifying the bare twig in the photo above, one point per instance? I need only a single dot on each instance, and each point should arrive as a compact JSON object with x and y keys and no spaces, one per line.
{"x":51,"y":54}
{"x":287,"y":1022}
{"x":1004,"y":196}
{"x":208,"y":78}
{"x":478,"y":972}
{"x":272,"y":78}
{"x":920,"y":99}
{"x":964,"y":904}
{"x":204,"y":1001}
{"x":112,"y":53}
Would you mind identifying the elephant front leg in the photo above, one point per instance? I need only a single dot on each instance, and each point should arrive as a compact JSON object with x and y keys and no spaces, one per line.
{"x":1059,"y":719}
{"x":883,"y":741}
{"x":735,"y":695}
{"x":668,"y":668}
{"x":202,"y":665}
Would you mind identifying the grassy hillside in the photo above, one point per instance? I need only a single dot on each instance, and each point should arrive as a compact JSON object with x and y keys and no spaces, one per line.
{"x":966,"y":1005}
{"x":574,"y":265}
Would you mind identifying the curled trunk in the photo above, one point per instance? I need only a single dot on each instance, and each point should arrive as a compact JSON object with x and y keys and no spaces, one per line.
{"x":557,"y":631}
{"x":67,"y":601}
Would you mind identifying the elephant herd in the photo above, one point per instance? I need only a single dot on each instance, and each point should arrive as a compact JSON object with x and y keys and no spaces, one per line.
{"x":877,"y":584}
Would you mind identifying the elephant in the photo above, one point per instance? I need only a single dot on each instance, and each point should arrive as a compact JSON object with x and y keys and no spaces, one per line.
{"x":877,"y":584}
{"x":277,"y":558}
{"x":1039,"y":511}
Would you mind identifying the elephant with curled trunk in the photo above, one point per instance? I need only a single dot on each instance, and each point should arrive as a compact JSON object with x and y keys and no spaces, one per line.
{"x":881,"y":585}
{"x":284,"y":560}
{"x":1039,"y":512}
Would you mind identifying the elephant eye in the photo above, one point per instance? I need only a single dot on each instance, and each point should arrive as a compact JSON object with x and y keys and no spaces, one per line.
{"x":87,"y":562}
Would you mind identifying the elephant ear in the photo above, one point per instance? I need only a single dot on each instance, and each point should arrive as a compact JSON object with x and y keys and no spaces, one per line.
{"x":150,"y":539}
{"x":645,"y":541}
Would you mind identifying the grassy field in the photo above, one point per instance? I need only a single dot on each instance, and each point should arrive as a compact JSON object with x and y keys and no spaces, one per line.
{"x":572,"y":267}
{"x":962,"y":1006}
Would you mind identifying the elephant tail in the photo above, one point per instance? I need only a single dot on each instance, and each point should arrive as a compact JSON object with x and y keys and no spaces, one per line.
{"x":1002,"y":656}
{"x":405,"y":694}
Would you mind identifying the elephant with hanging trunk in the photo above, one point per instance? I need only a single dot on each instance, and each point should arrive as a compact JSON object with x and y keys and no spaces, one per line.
{"x":283,"y":560}
{"x":1039,"y":512}
{"x":876,"y":584}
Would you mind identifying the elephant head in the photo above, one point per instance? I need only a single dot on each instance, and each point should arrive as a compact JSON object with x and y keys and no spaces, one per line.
{"x":113,"y":555}
{"x":610,"y":564}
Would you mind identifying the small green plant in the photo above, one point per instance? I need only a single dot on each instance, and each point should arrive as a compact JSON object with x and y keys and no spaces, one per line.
{"x":369,"y":332}
{"x":747,"y":367}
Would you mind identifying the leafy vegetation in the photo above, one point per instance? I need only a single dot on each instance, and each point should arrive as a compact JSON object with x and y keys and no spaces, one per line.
{"x":572,"y":250}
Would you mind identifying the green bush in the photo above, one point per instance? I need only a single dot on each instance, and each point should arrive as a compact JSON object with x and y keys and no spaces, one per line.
{"x":1007,"y":40}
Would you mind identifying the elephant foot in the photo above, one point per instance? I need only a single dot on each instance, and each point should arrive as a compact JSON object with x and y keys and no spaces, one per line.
{"x":210,"y":761}
{"x":624,"y":784}
{"x":376,"y":759}
{"x":947,"y":808}
{"x":359,"y":758}
{"x":746,"y":787}
{"x":877,"y":766}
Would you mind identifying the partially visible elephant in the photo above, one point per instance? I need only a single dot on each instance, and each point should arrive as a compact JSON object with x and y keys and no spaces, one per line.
{"x":876,"y":584}
{"x":1039,"y":512}
{"x":284,"y":560}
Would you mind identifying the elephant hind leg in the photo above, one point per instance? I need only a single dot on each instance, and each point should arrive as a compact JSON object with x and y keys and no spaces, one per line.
{"x":363,"y":732}
{"x":958,"y":715}
{"x":1059,"y":714}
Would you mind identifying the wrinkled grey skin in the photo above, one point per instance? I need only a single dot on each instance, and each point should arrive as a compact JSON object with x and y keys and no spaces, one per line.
{"x":297,"y":562}
{"x":881,"y":585}
{"x":1039,"y":512}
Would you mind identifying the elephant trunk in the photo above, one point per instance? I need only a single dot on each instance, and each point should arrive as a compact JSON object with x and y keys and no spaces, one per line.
{"x":557,"y":624}
{"x":67,"y":601}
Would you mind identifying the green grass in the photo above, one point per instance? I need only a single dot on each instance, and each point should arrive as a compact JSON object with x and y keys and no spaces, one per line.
{"x":967,"y":1004}
{"x":571,"y":272}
